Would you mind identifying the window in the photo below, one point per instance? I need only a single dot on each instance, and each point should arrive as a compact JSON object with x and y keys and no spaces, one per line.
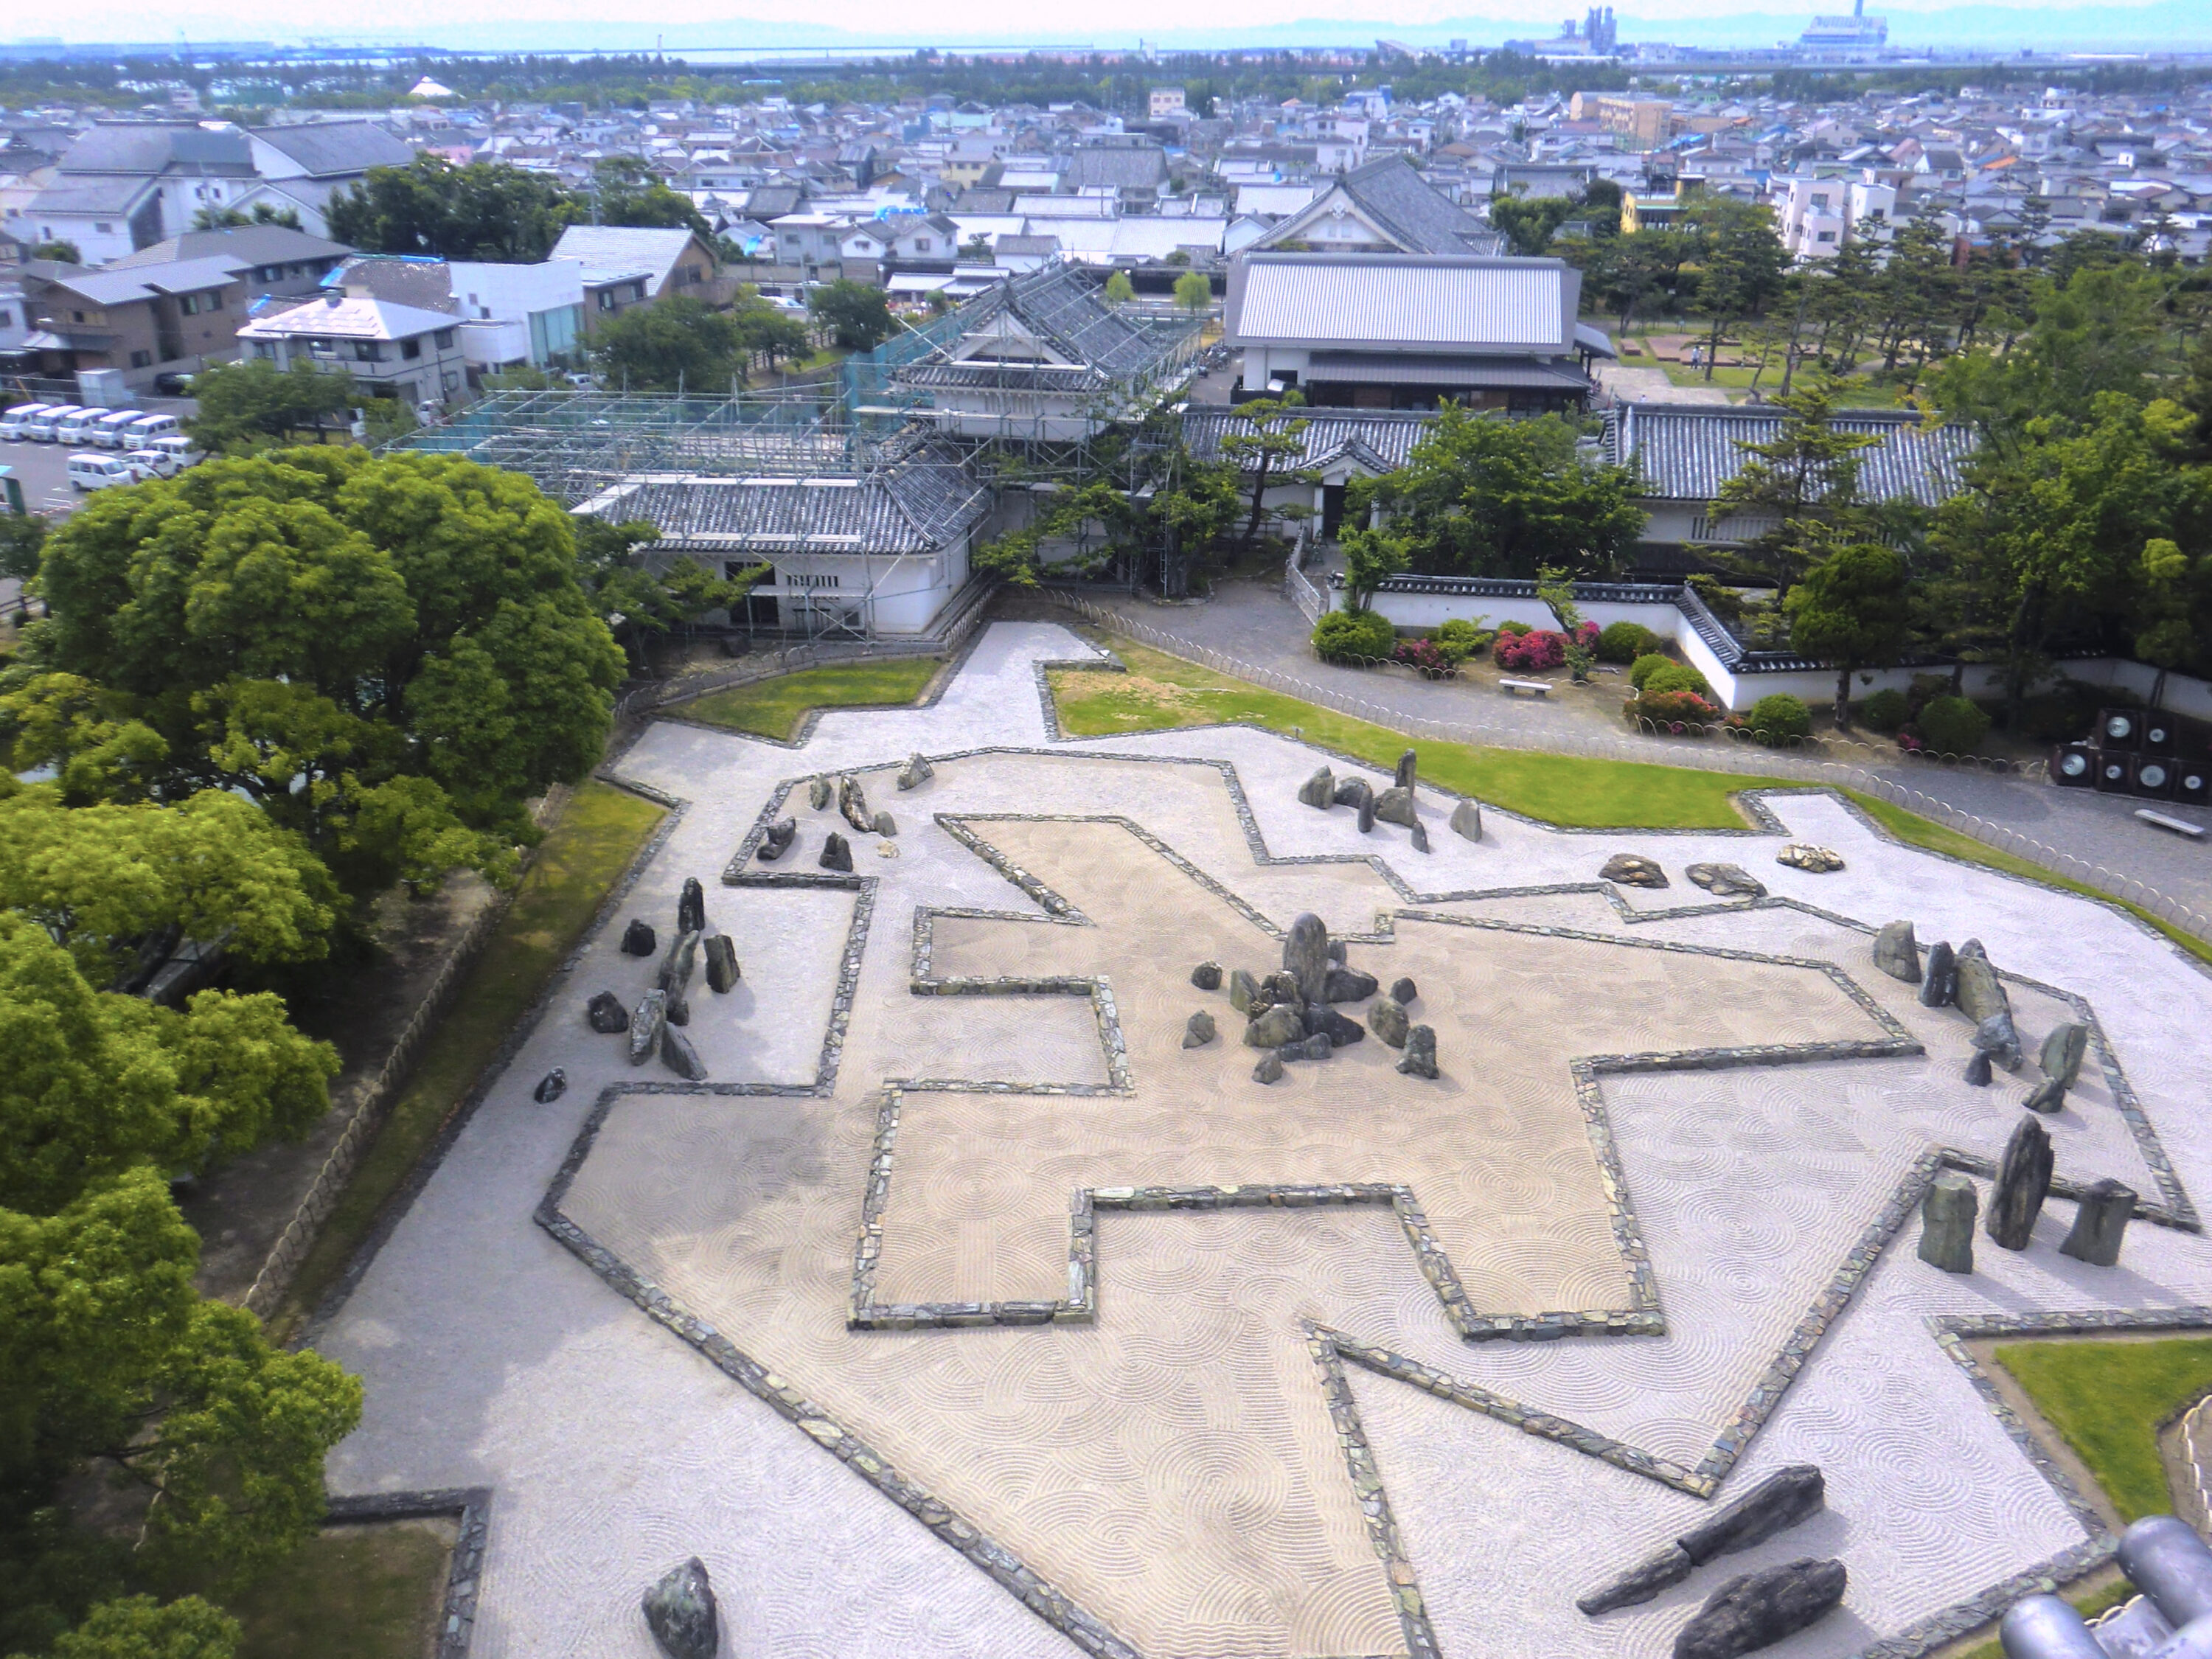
{"x":265,"y":348}
{"x":443,"y":339}
{"x":7,"y":318}
{"x":367,"y":351}
{"x":921,"y":244}
{"x":105,"y":230}
{"x":606,"y":298}
{"x":76,"y":316}
{"x":411,"y":350}
{"x":142,"y":359}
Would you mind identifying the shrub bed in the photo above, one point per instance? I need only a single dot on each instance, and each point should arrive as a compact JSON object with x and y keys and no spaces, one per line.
{"x":1351,"y":635}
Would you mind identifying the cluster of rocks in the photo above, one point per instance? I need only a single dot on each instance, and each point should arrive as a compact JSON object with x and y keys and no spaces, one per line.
{"x":1291,"y":1014}
{"x":1813,"y":860}
{"x":1781,"y":1501}
{"x":1966,"y":980}
{"x":652,"y":1025}
{"x":1392,"y":804}
{"x":852,"y":805}
{"x":2101,"y":1213}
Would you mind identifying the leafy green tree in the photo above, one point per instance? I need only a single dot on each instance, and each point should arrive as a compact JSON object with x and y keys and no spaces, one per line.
{"x":254,"y":404}
{"x":389,"y":654}
{"x":1803,"y":482}
{"x":485,"y":210}
{"x":99,"y":878}
{"x":1193,"y":509}
{"x":1483,"y":496}
{"x":1742,"y":264}
{"x":671,"y":346}
{"x":1273,"y":435}
{"x":1529,"y":223}
{"x":1556,"y":588}
{"x":1067,"y":515}
{"x":1371,"y":557}
{"x":1193,"y":292}
{"x":767,"y":331}
{"x":1119,"y":290}
{"x":857,"y":316}
{"x":60,"y":252}
{"x":22,"y":536}
{"x":627,"y":192}
{"x":1852,"y":609}
{"x":229,"y":218}
{"x":139,"y":1627}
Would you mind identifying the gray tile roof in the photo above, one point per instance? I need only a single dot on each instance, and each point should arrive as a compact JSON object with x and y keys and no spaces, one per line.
{"x":1419,"y":218}
{"x":1442,"y":370}
{"x":1059,"y":305}
{"x":125,"y":287}
{"x":607,"y":251}
{"x":918,"y":498}
{"x":243,"y":245}
{"x":115,"y":193}
{"x":1123,"y":167}
{"x":332,"y":150}
{"x":1382,"y":441}
{"x":151,"y":148}
{"x":1687,"y":451}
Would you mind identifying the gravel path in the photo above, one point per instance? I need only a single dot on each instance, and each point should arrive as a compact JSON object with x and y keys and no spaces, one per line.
{"x":1253,"y":623}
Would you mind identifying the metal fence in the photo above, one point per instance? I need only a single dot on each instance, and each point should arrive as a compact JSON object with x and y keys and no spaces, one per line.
{"x":1735,"y":754}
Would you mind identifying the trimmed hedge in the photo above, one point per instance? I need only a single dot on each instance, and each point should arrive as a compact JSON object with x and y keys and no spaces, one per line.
{"x":1346,"y":635}
{"x":1952,"y":725}
{"x":1624,"y":642}
{"x":1646,"y":665}
{"x":1779,"y":716}
{"x":1675,"y":677}
{"x":1886,"y":710}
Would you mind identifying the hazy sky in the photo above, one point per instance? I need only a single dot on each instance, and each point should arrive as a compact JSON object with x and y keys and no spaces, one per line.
{"x":480,"y":24}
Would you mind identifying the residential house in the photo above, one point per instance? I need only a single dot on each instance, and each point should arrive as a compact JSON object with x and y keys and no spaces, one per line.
{"x":510,"y":314}
{"x":1334,"y":447}
{"x":269,"y":259}
{"x":303,"y":165}
{"x":393,"y":351}
{"x":624,"y":265}
{"x":144,"y":320}
{"x":1370,"y":331}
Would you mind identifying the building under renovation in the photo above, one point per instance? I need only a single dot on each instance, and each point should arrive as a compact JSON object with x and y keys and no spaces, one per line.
{"x":864,"y":494}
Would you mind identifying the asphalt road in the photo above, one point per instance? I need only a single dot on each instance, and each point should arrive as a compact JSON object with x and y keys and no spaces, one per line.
{"x":1251,"y":621}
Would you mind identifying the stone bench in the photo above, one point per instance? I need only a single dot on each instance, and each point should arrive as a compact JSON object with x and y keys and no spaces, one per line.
{"x":2172,"y":825}
{"x":1537,"y":688}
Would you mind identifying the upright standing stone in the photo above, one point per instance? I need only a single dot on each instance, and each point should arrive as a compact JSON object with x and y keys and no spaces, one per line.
{"x":1997,"y":1037}
{"x":722,"y":973}
{"x":837,"y":853}
{"x":638,"y":938}
{"x":2048,"y":1095}
{"x":777,"y":839}
{"x":551,"y":1087}
{"x":647,"y":1023}
{"x":2023,"y":1182}
{"x":2099,"y":1223}
{"x":1978,"y":1068}
{"x":606,"y":1014}
{"x":1939,"y":987}
{"x":2063,"y":1052}
{"x":1319,"y":790}
{"x":1199,"y":1031}
{"x":1420,"y":1059}
{"x":1408,"y":765}
{"x":1418,"y":839}
{"x":853,"y":804}
{"x":677,"y":1054}
{"x":679,"y":1610}
{"x":1981,"y":992}
{"x":883,"y":823}
{"x":817,"y":793}
{"x":1305,"y":953}
{"x":676,"y":966}
{"x":1467,"y":820}
{"x":691,"y":908}
{"x":1897,"y":953}
{"x":1387,"y":1019}
{"x":917,"y":772}
{"x":1366,"y":812}
{"x":1946,"y":1223}
{"x":1206,"y":976}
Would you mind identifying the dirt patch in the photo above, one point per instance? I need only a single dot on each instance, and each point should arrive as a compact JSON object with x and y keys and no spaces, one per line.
{"x":241,"y":1210}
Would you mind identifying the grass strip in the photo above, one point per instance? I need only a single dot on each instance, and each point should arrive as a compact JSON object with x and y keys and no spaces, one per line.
{"x":1161,"y":693}
{"x":774,"y":708}
{"x":355,"y":1592}
{"x":2108,"y":1401}
{"x":1911,"y":827}
{"x":583,"y":856}
{"x":2088,"y":1603}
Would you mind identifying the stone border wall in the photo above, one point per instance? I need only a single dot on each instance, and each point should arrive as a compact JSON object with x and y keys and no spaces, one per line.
{"x":469,"y":1506}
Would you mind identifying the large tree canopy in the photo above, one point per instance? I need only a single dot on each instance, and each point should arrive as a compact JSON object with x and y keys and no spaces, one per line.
{"x":1482,"y":495}
{"x":390,"y":654}
{"x":485,"y":210}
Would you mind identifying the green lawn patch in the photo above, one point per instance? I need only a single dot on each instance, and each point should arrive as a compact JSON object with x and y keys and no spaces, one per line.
{"x":1911,"y":827}
{"x":582,"y":857}
{"x":1162,"y":692}
{"x":774,"y":708}
{"x":366,"y":1592}
{"x":2108,"y":1399}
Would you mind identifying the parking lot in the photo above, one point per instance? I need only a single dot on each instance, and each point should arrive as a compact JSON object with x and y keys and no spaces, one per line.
{"x":44,"y":468}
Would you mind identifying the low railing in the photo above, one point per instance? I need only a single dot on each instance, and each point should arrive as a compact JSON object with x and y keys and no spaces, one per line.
{"x":1741,"y":755}
{"x":1297,"y":587}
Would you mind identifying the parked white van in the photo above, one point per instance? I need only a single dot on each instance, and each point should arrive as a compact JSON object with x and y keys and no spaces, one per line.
{"x":78,"y":426}
{"x":110,"y":430}
{"x":90,"y":472}
{"x":147,"y":427}
{"x":187,"y":452}
{"x":42,"y":426}
{"x":16,"y":424}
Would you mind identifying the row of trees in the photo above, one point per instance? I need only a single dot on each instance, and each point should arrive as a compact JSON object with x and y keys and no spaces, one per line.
{"x":490,"y":212}
{"x":265,"y":690}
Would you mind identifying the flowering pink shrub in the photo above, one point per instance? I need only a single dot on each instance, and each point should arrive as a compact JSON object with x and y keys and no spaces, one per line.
{"x":1531,"y":652}
{"x":1673,"y":709}
{"x":1586,"y":635}
{"x":1429,"y":657}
